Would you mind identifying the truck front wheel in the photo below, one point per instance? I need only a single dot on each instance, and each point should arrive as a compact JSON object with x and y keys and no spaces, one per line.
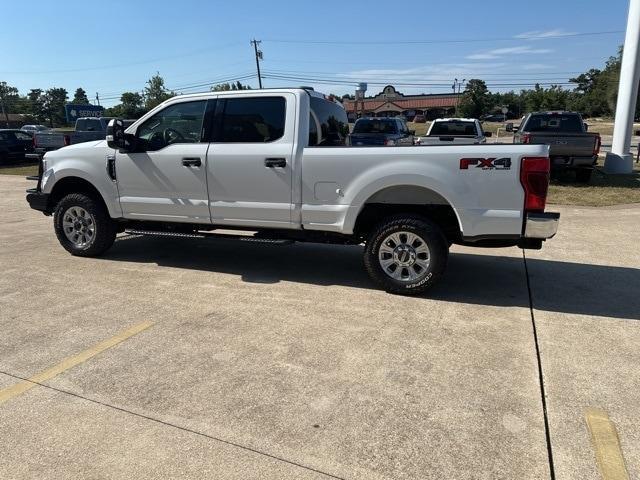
{"x":83,"y":225}
{"x":406,"y":254}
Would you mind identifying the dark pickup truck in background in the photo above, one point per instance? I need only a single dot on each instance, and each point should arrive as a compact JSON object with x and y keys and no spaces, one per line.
{"x":86,"y":130}
{"x":571,"y":147}
{"x":389,"y":131}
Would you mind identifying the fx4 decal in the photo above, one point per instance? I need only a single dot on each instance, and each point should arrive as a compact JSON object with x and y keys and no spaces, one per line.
{"x":486,"y":163}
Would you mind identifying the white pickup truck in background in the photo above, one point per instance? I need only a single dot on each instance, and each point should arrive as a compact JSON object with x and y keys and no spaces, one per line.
{"x":276,"y":162}
{"x":454,"y":131}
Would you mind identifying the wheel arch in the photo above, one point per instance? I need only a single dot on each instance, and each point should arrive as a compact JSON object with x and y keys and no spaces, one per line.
{"x":409,"y":198}
{"x":73,"y":184}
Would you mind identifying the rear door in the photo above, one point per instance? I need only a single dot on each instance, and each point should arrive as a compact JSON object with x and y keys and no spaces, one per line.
{"x":249,"y":167}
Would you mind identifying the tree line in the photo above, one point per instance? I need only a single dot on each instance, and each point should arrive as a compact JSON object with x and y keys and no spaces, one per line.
{"x":594,"y":95}
{"x":47,"y":106}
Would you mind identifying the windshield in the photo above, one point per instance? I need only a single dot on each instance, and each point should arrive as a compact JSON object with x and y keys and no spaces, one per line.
{"x":453,"y":128}
{"x":554,"y":123}
{"x":375,"y":126}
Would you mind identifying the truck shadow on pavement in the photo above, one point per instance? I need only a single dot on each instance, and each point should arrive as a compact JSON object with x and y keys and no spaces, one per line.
{"x":486,"y":278}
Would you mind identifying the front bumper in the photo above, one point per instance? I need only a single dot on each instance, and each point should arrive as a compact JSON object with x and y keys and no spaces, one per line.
{"x":541,"y":225}
{"x":38,"y":200}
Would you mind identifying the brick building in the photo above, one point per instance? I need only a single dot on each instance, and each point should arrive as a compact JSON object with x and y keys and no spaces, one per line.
{"x":390,"y":103}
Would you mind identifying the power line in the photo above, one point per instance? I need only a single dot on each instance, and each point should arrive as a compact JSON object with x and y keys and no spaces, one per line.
{"x":333,"y":81}
{"x":364,"y":75}
{"x":439,"y":41}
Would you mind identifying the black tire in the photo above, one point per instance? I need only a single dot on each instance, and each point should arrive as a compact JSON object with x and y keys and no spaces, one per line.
{"x":104,"y":229}
{"x":583,"y":175}
{"x":427,"y":232}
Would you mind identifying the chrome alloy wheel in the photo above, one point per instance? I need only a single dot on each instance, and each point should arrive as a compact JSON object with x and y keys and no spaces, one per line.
{"x":404,"y":256}
{"x":79,"y":226}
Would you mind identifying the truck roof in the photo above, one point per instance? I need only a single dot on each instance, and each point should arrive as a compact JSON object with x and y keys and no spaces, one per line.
{"x":455,"y":119}
{"x":556,"y":112}
{"x":307,"y":90}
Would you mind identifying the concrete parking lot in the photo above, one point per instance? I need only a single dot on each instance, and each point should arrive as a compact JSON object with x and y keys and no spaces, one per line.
{"x":271,"y":362}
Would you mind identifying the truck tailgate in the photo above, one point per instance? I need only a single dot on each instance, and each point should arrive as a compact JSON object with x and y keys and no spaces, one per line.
{"x":448,"y":140}
{"x":49,"y":140}
{"x":566,"y":144}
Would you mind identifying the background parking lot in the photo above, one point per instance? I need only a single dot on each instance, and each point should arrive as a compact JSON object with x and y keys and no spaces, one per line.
{"x":285,"y":362}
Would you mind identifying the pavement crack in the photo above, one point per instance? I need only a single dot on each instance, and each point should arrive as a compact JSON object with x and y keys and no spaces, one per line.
{"x":173,"y":425}
{"x":543,"y":394}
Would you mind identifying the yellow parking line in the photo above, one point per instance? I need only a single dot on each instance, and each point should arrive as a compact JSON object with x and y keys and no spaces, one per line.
{"x":70,"y":362}
{"x":606,"y":445}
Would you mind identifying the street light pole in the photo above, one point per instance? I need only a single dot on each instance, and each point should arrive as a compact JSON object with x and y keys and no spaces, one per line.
{"x":620,"y":159}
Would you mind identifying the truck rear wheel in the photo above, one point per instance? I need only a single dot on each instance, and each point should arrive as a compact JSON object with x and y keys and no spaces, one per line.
{"x":406,"y":254}
{"x":83,"y":225}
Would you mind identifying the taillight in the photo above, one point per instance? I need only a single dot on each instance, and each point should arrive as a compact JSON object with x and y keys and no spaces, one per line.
{"x":33,"y":139}
{"x":596,"y":148}
{"x":526,"y":138}
{"x":534,"y":177}
{"x":67,"y":140}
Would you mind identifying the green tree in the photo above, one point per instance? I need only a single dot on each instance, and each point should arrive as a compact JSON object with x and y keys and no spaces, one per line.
{"x":475,"y":99}
{"x":35,"y":102}
{"x":80,"y":97}
{"x":155,"y":92}
{"x":54,"y":101}
{"x":8,"y":98}
{"x":225,"y":87}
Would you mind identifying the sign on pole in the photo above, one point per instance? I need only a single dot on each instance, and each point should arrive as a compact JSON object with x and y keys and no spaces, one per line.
{"x":74,"y":112}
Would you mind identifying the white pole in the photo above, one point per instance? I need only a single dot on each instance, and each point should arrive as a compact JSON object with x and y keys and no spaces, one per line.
{"x":620,"y":159}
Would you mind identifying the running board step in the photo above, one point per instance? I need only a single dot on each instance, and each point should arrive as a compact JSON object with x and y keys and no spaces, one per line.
{"x":242,"y":238}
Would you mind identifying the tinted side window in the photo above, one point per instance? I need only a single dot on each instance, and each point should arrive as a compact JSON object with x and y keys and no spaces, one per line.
{"x":313,"y":129}
{"x":334,"y":127}
{"x":177,"y":123}
{"x":252,"y":120}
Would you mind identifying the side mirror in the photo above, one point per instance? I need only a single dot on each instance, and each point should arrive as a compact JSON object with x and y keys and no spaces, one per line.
{"x":412,"y":132}
{"x":115,"y":134}
{"x":586,"y":127}
{"x":509,"y":127}
{"x":488,"y":134}
{"x":117,"y":139}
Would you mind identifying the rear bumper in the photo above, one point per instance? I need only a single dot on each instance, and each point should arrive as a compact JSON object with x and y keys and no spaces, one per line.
{"x":560,"y":162}
{"x":38,"y":200}
{"x":541,"y":225}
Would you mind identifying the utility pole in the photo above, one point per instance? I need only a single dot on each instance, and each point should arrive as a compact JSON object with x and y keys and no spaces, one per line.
{"x":258,"y":53}
{"x":98,"y":98}
{"x":457,"y":85}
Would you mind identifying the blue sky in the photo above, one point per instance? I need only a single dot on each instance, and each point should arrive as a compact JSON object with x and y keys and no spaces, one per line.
{"x":116,"y":46}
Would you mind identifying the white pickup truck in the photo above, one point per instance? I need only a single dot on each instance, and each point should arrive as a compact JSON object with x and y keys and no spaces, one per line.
{"x":276,"y":162}
{"x":458,"y":131}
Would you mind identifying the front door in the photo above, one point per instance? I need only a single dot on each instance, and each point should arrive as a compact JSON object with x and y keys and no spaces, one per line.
{"x":250,"y":161}
{"x":165,"y":179}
